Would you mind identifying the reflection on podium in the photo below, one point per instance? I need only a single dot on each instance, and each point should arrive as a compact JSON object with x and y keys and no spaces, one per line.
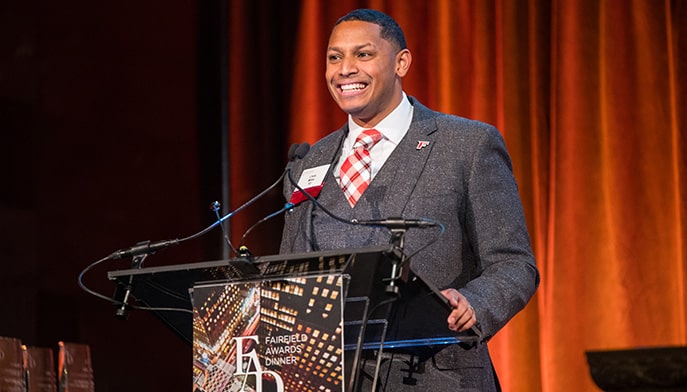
{"x":298,"y":322}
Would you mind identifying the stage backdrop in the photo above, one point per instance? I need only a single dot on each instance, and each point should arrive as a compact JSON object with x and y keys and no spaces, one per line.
{"x":590,"y":98}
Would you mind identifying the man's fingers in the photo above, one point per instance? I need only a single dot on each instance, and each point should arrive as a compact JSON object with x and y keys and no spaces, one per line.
{"x":462,"y":318}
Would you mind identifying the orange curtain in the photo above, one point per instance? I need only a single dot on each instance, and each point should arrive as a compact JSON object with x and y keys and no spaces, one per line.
{"x":590,"y":97}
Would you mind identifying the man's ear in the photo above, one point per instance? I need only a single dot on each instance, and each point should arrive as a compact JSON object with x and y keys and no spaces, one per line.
{"x":403,"y":61}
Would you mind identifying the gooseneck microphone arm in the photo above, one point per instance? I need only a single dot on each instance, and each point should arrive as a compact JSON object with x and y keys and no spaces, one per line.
{"x":215,"y":206}
{"x":142,"y":249}
{"x":296,"y":151}
{"x":389,"y":223}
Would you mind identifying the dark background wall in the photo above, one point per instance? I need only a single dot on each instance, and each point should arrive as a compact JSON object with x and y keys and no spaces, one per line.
{"x":110,"y":133}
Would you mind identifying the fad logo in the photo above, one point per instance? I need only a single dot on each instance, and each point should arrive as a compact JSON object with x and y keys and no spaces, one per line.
{"x":248,"y":364}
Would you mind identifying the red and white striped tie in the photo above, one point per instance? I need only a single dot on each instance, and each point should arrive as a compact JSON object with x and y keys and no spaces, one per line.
{"x":356,"y":173}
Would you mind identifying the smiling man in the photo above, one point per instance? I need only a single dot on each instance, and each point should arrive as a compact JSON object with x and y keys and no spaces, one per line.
{"x":396,"y":158}
{"x":364,"y":71}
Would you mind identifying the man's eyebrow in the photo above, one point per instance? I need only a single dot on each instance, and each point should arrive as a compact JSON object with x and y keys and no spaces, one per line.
{"x":355,"y":48}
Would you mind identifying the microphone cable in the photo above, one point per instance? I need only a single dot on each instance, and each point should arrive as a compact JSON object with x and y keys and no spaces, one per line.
{"x":390,"y":224}
{"x":286,"y":207}
{"x":142,"y":249}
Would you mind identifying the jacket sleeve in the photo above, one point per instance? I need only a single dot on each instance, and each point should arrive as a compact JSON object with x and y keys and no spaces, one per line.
{"x":497,"y":233}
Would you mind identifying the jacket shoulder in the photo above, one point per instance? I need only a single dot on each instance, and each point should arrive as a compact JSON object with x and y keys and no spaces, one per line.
{"x":432,"y":120}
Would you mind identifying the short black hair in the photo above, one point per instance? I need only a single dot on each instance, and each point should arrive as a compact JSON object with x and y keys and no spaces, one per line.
{"x":391,"y":31}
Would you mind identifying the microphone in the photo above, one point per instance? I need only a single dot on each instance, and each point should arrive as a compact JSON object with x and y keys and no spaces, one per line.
{"x":145,"y":247}
{"x":297,"y":151}
{"x":398,"y":223}
{"x":292,"y":151}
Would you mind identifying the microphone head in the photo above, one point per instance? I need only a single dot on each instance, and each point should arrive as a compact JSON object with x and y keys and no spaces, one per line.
{"x":301,"y":150}
{"x":292,"y":151}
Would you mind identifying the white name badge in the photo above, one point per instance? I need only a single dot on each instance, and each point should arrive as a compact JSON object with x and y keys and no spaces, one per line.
{"x":311,"y":181}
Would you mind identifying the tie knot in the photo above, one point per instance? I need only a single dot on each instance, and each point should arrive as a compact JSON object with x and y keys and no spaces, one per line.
{"x":367,"y":139}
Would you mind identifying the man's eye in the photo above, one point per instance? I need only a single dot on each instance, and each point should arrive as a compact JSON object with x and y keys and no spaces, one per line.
{"x":333,"y":57}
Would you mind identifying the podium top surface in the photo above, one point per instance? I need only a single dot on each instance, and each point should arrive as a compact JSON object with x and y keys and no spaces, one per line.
{"x":256,"y":267}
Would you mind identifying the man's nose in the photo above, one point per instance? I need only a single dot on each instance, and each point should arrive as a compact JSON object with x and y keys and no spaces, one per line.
{"x":348,"y":67}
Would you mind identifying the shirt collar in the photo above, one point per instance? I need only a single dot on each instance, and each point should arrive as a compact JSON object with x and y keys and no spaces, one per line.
{"x":393,"y":127}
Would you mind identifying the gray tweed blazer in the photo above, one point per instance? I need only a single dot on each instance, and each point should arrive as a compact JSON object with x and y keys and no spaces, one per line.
{"x":455,"y":171}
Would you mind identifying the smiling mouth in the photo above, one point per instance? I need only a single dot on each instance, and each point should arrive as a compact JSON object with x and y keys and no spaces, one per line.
{"x":352,"y":87}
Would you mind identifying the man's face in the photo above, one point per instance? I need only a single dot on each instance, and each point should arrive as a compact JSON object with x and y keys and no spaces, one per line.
{"x":364,"y":71}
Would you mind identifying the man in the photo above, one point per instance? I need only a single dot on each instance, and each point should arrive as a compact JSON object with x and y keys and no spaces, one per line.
{"x":425,"y":165}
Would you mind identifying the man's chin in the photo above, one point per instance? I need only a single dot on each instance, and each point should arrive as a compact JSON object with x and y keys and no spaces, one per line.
{"x":351,"y":110}
{"x":353,"y":107}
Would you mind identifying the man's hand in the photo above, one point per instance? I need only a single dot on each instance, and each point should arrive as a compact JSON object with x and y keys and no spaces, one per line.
{"x":463,"y":316}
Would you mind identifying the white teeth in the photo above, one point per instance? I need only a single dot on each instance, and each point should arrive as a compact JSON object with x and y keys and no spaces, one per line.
{"x":352,"y":87}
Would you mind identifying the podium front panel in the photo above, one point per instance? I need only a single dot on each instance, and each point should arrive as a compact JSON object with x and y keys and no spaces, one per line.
{"x":269,"y":334}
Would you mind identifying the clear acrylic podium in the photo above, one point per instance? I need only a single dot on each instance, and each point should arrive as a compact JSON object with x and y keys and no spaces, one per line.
{"x":297,"y":322}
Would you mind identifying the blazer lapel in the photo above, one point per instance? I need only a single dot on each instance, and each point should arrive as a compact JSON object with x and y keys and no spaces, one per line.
{"x":407,"y":162}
